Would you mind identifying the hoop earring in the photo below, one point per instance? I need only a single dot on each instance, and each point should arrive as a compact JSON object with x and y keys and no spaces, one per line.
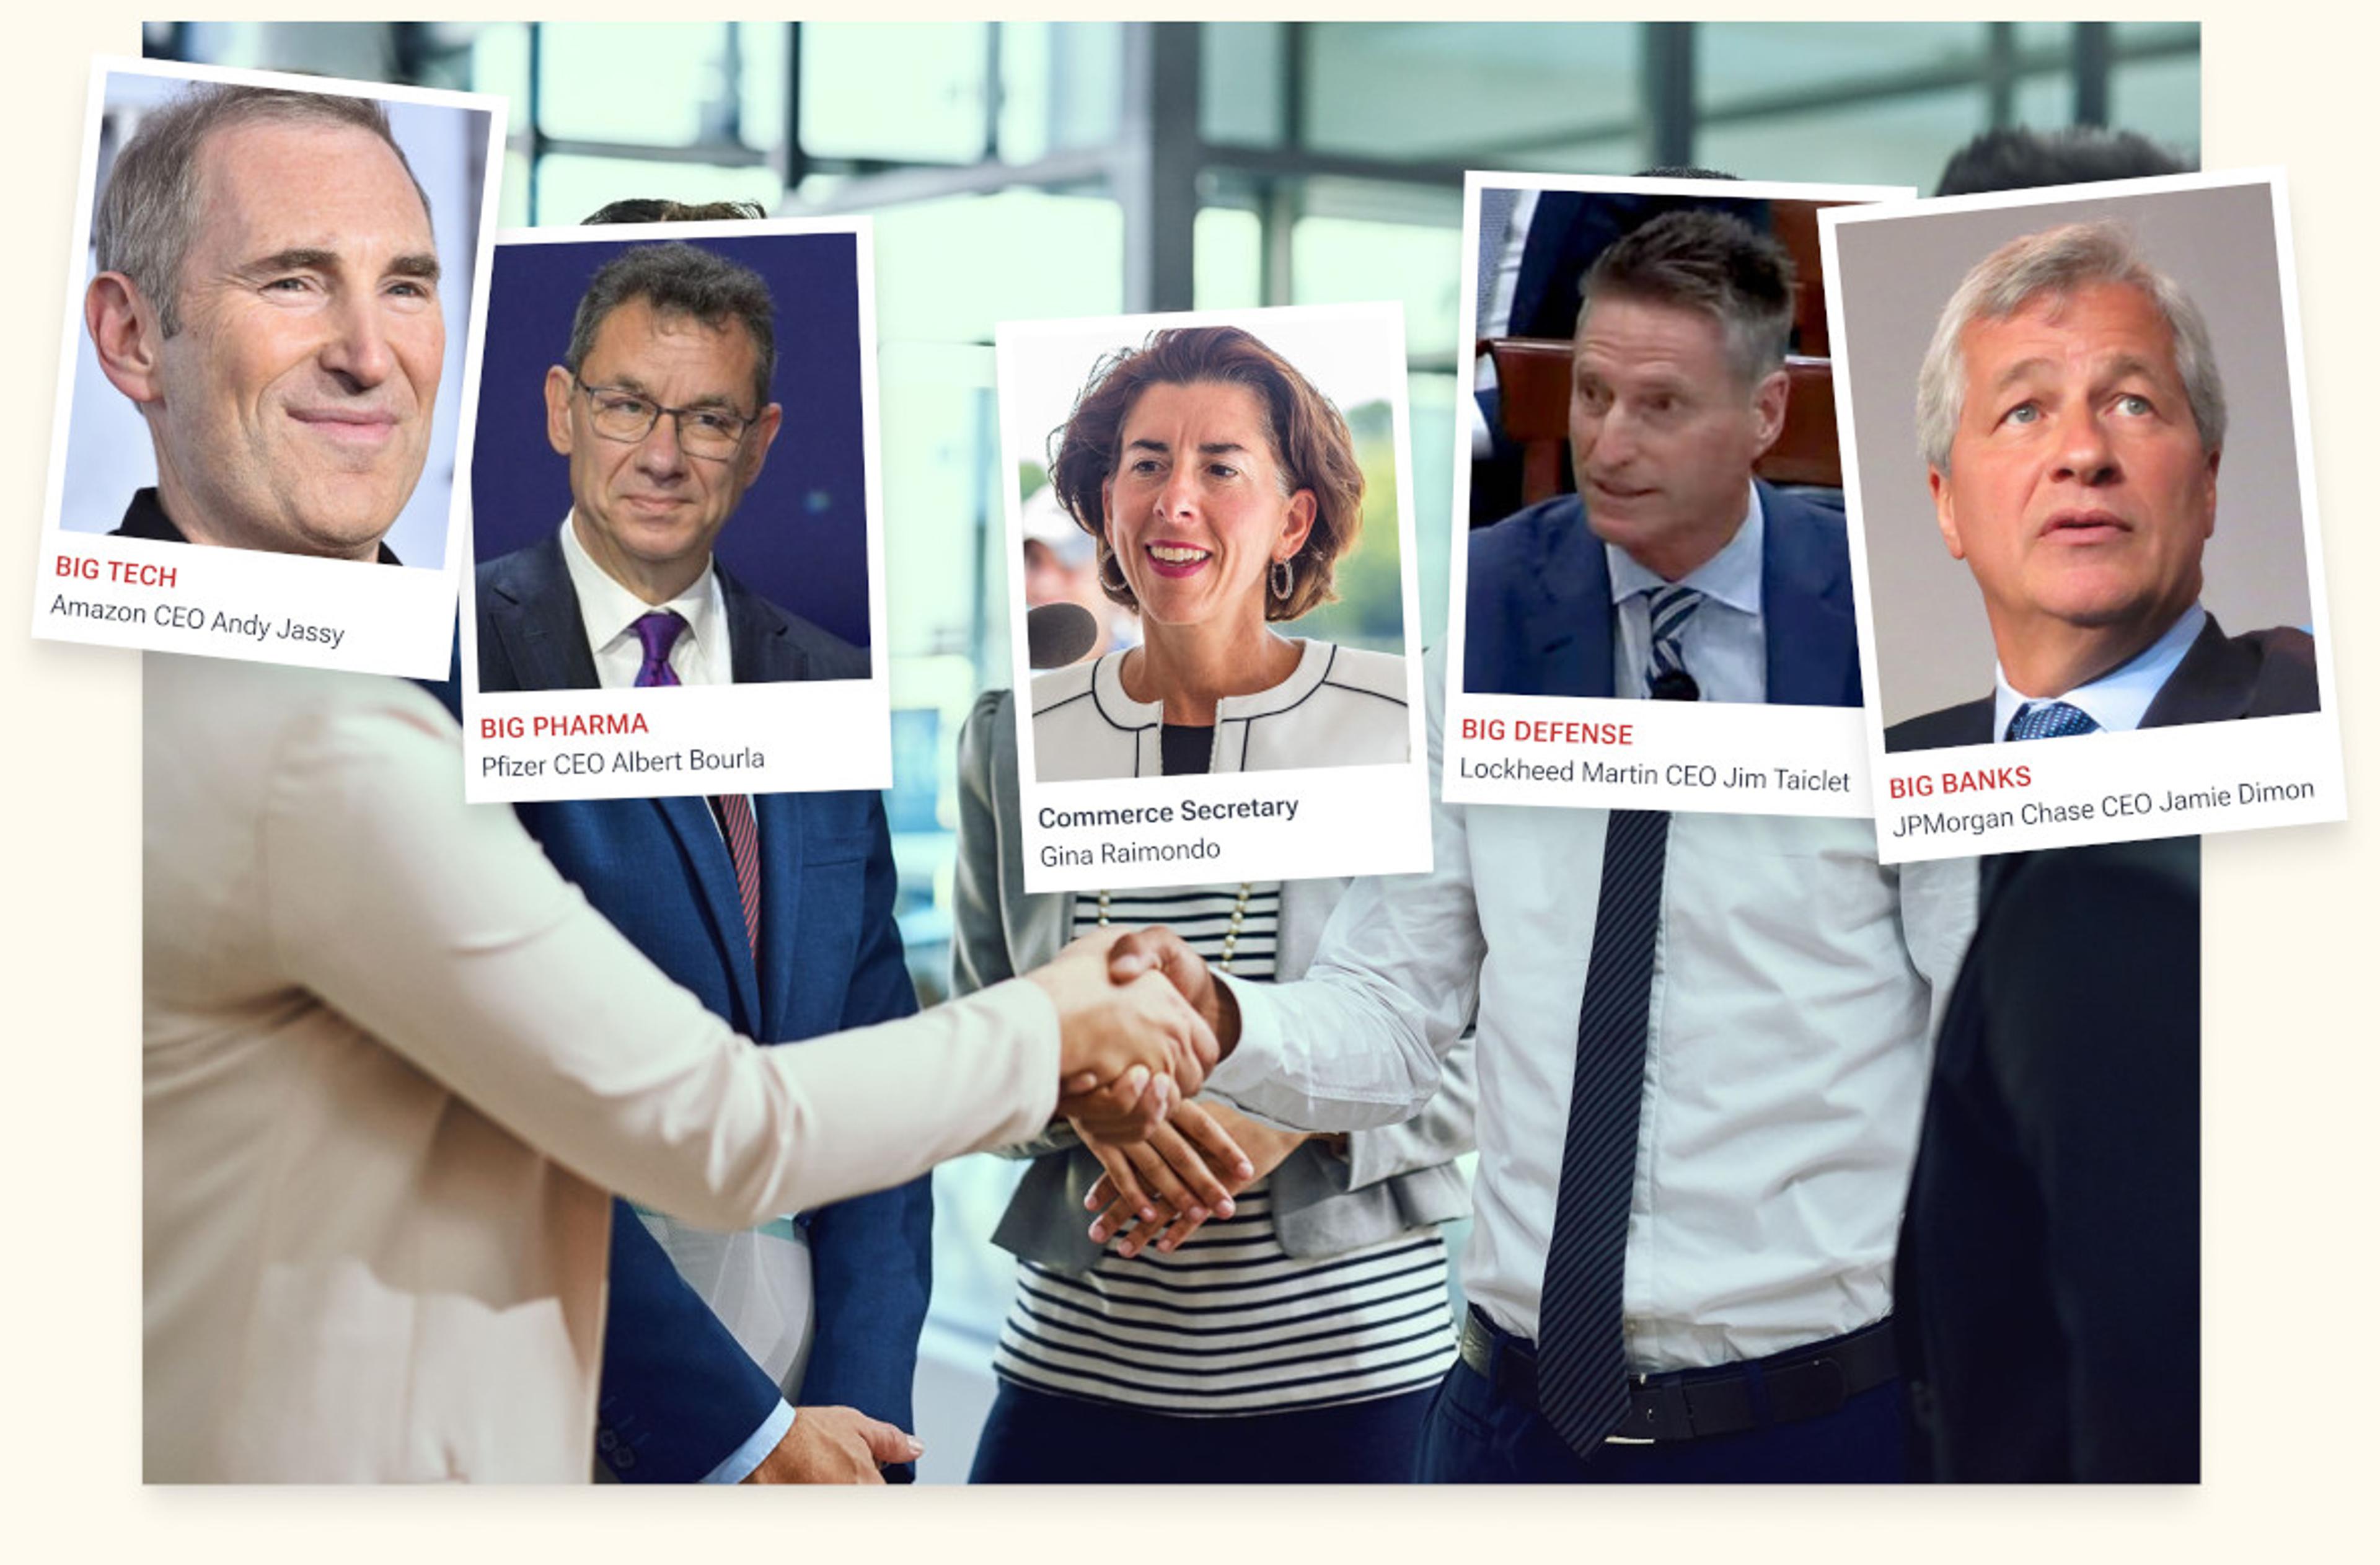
{"x":1107,"y":558}
{"x":1284,"y":581}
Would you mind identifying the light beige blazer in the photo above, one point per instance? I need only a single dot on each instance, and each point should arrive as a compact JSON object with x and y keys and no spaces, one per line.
{"x":392,"y":1065}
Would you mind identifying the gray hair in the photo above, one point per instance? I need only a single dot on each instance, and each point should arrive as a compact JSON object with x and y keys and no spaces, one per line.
{"x":1714,"y":263}
{"x":144,"y":218}
{"x":680,"y":279}
{"x":2060,"y":261}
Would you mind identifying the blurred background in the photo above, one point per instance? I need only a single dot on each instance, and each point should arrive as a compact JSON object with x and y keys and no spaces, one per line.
{"x":1033,"y":170}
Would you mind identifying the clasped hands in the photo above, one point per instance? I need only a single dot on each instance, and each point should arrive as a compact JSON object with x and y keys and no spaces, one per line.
{"x":1141,"y":1021}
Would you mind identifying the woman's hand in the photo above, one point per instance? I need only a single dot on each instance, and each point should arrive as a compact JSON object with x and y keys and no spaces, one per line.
{"x":1129,"y":1047}
{"x":1160,"y":1191}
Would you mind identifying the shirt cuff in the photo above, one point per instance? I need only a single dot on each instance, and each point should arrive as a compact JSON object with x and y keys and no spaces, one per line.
{"x":1257,"y":1057}
{"x":754,"y":1451}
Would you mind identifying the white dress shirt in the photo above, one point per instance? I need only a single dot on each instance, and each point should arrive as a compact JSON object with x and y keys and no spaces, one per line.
{"x":2116,"y":701}
{"x":1795,"y":984}
{"x":1724,"y":645}
{"x":755,"y":1280}
{"x":700,"y":656}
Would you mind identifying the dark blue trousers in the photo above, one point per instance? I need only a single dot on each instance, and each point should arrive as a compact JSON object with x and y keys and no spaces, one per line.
{"x":1476,"y":1436}
{"x":1035,"y":1437}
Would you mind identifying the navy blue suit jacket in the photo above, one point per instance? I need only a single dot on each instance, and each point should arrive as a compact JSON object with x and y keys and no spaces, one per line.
{"x":1538,"y":605}
{"x":678,"y":1394}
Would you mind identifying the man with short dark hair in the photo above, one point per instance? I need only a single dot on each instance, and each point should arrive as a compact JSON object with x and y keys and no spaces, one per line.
{"x":775,"y":909}
{"x":1672,"y":569}
{"x":268,"y":299}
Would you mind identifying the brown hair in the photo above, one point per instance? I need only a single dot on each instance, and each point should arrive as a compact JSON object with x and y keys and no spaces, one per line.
{"x":1309,"y":440}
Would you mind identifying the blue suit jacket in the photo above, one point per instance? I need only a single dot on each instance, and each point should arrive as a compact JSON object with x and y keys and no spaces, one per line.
{"x":678,"y":1394}
{"x":1538,"y":605}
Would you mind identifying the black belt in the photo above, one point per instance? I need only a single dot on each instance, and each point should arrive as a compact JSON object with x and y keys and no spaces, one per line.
{"x":1691,"y":1403}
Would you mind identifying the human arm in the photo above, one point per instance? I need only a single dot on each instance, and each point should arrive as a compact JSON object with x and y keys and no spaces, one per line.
{"x":442,"y":931}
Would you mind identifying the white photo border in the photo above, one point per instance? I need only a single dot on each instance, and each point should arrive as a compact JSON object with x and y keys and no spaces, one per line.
{"x":232,"y":602}
{"x":777,"y":737}
{"x":1349,"y":820}
{"x":1609,"y":753}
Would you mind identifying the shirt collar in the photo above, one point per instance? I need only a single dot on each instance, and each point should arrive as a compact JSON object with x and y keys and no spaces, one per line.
{"x":610,"y":611}
{"x":1730,"y":577}
{"x":2119,"y":699}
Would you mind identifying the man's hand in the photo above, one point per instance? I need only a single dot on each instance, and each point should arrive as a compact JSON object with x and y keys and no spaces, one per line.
{"x":1128,"y":1049}
{"x":1160,"y":950}
{"x":834,"y":1445}
{"x":1186,"y":1172}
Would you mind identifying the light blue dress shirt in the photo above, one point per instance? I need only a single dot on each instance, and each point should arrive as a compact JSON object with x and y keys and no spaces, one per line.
{"x":2117,"y":700}
{"x":1725,"y":645}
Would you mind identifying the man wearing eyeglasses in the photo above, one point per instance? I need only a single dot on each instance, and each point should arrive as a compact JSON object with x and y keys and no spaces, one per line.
{"x":662,"y":405}
{"x":776,"y":910}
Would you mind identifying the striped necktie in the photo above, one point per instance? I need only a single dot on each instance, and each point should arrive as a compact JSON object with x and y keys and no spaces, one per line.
{"x":1582,"y":1362}
{"x":1668,"y":609}
{"x":658,"y":632}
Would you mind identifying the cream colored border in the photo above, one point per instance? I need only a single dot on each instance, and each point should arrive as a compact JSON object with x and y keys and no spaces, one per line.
{"x":2291,"y":1078}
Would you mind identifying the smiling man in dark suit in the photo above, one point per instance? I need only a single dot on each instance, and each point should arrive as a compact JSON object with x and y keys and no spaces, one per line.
{"x":775,"y":909}
{"x":1672,"y":571}
{"x":2073,"y":420}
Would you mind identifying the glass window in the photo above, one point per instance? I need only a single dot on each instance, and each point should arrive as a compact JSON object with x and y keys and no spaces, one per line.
{"x":1889,"y":142}
{"x":1735,"y":62}
{"x":1337,"y":257}
{"x":1240,"y":77}
{"x":763,"y":81}
{"x":947,"y":269}
{"x":1437,"y":91}
{"x":1060,"y":86}
{"x":658,"y":85}
{"x":1227,"y":261}
{"x":896,"y":90}
{"x":2159,"y":99}
{"x":2044,"y":101}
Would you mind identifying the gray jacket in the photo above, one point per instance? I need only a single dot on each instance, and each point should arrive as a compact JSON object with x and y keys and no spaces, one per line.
{"x":1392,"y":1180}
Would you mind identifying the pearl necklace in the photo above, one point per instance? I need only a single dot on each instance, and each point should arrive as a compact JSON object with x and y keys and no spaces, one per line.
{"x":1230,"y":936}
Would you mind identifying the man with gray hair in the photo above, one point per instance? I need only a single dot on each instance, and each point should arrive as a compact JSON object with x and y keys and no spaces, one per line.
{"x":2071,"y":419}
{"x":267,"y":296}
{"x":1673,"y":572}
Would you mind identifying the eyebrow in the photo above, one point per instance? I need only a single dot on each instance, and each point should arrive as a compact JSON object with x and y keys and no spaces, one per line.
{"x":421,"y":264}
{"x":1211,"y":448}
{"x":713,"y":400}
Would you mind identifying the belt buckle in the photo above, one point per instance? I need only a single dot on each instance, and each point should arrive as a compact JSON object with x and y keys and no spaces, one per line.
{"x":1638,"y":1381}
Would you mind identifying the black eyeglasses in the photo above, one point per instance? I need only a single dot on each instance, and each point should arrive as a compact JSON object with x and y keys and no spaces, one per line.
{"x":714,"y":434}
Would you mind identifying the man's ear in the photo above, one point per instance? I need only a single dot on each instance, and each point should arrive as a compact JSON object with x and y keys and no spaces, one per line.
{"x":2213,"y":460}
{"x":558,"y":383}
{"x":1769,"y":408}
{"x":124,"y":330}
{"x":758,"y":438}
{"x":1944,"y":517}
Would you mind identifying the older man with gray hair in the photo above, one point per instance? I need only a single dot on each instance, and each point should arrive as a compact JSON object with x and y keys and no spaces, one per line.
{"x":267,"y":296}
{"x":2072,"y":418}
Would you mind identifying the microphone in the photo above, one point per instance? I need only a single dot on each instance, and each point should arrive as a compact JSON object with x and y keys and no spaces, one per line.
{"x":1672,"y":684}
{"x":1059,"y":633}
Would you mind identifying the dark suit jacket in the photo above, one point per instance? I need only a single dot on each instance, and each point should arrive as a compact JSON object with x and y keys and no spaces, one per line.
{"x":678,"y":1394}
{"x":2262,"y":674}
{"x":1538,"y":605}
{"x":2048,"y":1282}
{"x":532,"y":638}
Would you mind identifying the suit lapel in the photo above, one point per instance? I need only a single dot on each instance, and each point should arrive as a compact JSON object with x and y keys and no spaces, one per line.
{"x":1570,"y":629}
{"x":759,"y":646}
{"x":2212,"y":683}
{"x":778,"y":816}
{"x":714,"y":874}
{"x":1805,"y":602}
{"x":535,"y":614}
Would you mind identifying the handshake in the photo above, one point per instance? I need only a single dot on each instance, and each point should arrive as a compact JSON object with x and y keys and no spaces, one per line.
{"x":1140,"y":1023}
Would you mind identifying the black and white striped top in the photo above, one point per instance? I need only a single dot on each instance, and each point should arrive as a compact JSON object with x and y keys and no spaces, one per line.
{"x":1230,"y":1323}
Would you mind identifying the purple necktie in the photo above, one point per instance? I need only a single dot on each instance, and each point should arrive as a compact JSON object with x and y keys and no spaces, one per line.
{"x":659,"y":631}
